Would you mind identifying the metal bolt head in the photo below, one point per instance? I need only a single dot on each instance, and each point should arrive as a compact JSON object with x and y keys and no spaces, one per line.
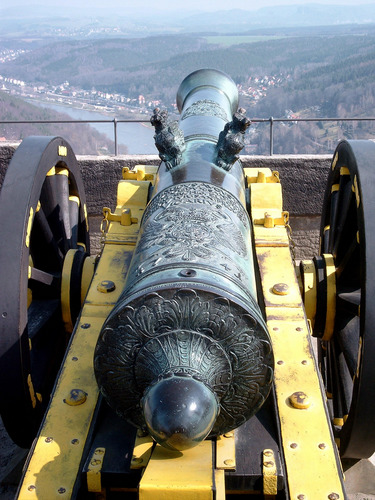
{"x":48,"y":439}
{"x":75,"y":441}
{"x":76,"y":397}
{"x":137,"y":460}
{"x":141,"y":433}
{"x":85,"y":326}
{"x":270,"y":463}
{"x":333,"y":496}
{"x":32,"y":487}
{"x":301,"y":497}
{"x":322,"y":446}
{"x":229,"y":462}
{"x":299,"y":400}
{"x":61,"y":490}
{"x":280,"y":362}
{"x":280,"y":289}
{"x":294,"y":445}
{"x":106,"y":286}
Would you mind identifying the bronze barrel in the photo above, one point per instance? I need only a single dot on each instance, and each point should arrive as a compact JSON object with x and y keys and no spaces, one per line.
{"x":186,"y":353}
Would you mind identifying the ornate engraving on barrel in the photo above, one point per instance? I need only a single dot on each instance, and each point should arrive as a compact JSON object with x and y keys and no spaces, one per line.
{"x":169,"y":138}
{"x":231,"y":140}
{"x":205,"y":107}
{"x":187,"y":226}
{"x":185,"y":351}
{"x":200,"y":193}
{"x":187,"y":332}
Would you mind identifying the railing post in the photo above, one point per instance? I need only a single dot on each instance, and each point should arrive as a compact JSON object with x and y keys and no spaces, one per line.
{"x":115,"y":135}
{"x":271,"y":135}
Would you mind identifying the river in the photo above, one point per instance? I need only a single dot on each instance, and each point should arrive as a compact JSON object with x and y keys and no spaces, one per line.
{"x":137,"y":137}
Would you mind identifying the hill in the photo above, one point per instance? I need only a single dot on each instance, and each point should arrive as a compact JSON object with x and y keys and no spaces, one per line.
{"x":128,"y":20}
{"x":321,"y":72}
{"x":83,"y":138}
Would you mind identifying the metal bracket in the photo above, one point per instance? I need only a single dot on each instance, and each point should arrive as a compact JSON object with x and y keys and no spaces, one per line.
{"x":269,"y":221}
{"x":137,"y":174}
{"x":226,"y":451}
{"x":125,"y":218}
{"x":94,"y":480}
{"x":269,"y":475}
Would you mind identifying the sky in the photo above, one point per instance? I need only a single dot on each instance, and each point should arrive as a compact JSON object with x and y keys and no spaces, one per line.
{"x":206,"y":5}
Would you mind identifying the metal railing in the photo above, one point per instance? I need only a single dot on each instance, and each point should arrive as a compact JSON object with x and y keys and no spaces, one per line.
{"x":116,"y":121}
{"x":272,"y":120}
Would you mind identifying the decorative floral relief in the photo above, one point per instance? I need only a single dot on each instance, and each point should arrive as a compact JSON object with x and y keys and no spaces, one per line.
{"x":205,"y":107}
{"x":190,"y":333}
{"x":186,"y":234}
{"x":186,"y":227}
{"x":198,"y":193}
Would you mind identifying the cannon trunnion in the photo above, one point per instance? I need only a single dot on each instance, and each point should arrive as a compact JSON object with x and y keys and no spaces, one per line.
{"x":188,"y":369}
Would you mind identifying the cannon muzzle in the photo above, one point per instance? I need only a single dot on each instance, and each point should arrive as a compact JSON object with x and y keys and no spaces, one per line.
{"x":185,"y":353}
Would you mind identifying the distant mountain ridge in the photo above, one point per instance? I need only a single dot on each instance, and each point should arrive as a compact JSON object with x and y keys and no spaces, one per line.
{"x":34,"y":19}
{"x":286,"y":16}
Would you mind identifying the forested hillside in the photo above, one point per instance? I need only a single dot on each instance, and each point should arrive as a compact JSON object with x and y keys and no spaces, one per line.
{"x":323,"y":72}
{"x":83,"y":138}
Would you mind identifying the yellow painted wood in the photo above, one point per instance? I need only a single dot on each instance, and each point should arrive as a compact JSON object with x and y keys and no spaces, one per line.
{"x":220,"y":484}
{"x":311,"y":457}
{"x":54,"y":463}
{"x":275,"y":267}
{"x":142,"y":451}
{"x":264,"y":237}
{"x":172,"y":476}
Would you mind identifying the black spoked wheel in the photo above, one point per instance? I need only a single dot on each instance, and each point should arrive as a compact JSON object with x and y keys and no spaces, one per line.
{"x":347,"y":355}
{"x":43,"y":210}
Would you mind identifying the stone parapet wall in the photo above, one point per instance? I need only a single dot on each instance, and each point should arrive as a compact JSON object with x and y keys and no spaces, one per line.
{"x":303,"y":179}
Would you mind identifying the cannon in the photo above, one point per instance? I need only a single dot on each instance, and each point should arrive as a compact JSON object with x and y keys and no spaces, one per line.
{"x":179,"y":363}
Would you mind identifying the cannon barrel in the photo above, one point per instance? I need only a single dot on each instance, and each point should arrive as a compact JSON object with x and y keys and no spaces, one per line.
{"x":185,"y":353}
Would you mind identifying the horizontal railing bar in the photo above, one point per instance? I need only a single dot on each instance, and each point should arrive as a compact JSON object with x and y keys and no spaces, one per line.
{"x":254,"y":120}
{"x":265,"y":120}
{"x":116,"y":121}
{"x":6,"y":122}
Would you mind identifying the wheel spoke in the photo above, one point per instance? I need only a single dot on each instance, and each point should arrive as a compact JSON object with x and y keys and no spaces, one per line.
{"x":43,"y":247}
{"x":350,"y":257}
{"x":334,"y":199}
{"x":348,"y":338}
{"x":44,"y":284}
{"x":345,"y":198}
{"x":74,"y":219}
{"x":40,"y":313}
{"x":51,"y":207}
{"x":349,"y":302}
{"x":345,"y":379}
{"x":62,"y":197}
